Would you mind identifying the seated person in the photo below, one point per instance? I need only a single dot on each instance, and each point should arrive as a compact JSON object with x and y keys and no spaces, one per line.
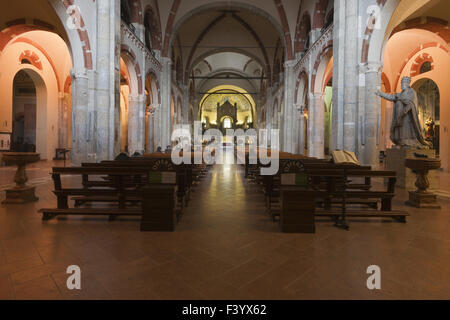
{"x":122,"y":156}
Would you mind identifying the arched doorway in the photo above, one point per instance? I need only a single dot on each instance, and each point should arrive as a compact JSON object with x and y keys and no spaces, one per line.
{"x":124,"y":105}
{"x":29,"y":110}
{"x":23,"y":136}
{"x":429,"y":110}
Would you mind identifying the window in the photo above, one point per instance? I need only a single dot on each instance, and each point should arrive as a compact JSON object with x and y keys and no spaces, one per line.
{"x":426,"y":67}
{"x":227,"y":123}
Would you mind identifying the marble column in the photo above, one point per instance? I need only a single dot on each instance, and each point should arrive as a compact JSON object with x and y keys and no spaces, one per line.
{"x":338,"y":74}
{"x":136,"y":124}
{"x":317,"y":127}
{"x":62,"y":121}
{"x":80,"y":119}
{"x":164,"y":114}
{"x":289,"y":113}
{"x":103,"y":83}
{"x":351,"y":75}
{"x":299,"y":128}
{"x":372,"y":110}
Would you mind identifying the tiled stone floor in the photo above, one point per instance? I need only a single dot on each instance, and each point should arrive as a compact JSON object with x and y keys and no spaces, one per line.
{"x":225,"y":247}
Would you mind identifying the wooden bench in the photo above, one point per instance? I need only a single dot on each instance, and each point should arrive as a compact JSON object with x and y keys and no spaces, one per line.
{"x":116,"y":188}
{"x":158,"y":208}
{"x":297,"y":183}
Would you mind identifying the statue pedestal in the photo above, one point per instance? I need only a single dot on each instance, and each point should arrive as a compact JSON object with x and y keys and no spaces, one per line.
{"x":406,"y":178}
{"x":421,"y":198}
{"x":21,"y":193}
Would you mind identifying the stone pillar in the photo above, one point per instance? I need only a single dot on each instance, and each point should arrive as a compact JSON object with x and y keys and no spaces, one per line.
{"x":338,"y":74}
{"x":164,"y":114}
{"x":317,"y":127}
{"x":289,"y":112}
{"x":136,"y":123}
{"x":350,"y":75}
{"x":372,"y":106}
{"x":103,"y":83}
{"x":80,"y":119}
{"x":62,"y":121}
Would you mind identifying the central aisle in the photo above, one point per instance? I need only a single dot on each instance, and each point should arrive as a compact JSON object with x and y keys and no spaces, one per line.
{"x":224,"y":200}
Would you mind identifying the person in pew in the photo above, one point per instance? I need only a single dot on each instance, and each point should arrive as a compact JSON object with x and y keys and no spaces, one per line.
{"x":159,"y":150}
{"x":122,"y":156}
{"x":136,"y":155}
{"x":168,"y":149}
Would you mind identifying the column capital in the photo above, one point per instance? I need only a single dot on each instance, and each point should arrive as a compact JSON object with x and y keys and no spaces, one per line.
{"x":371,"y":67}
{"x":136,"y":98}
{"x":290,"y":63}
{"x":80,"y":73}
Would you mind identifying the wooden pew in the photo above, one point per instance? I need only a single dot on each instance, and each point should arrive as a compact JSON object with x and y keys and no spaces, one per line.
{"x":295,"y":184}
{"x":117,"y":188}
{"x":158,"y":208}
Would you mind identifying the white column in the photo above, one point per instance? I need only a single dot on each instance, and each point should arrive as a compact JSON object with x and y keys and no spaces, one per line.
{"x":164,"y":114}
{"x":80,"y":119}
{"x":372,"y":112}
{"x":136,"y":123}
{"x":350,"y":75}
{"x":289,"y":91}
{"x":317,"y":127}
{"x":103,"y":72}
{"x":338,"y":74}
{"x":62,"y":121}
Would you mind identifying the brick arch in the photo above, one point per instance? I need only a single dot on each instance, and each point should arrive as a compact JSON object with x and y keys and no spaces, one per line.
{"x":385,"y":81}
{"x":413,"y":53}
{"x":47,"y":56}
{"x":419,"y":61}
{"x":435,"y":25}
{"x":303,"y":28}
{"x":287,"y":32}
{"x":302,"y":75}
{"x":14,"y":28}
{"x":132,"y":58}
{"x":152,"y":73}
{"x":368,"y":33}
{"x":32,"y":58}
{"x":82,"y":33}
{"x":155,"y":28}
{"x":324,"y":51}
{"x":67,"y":84}
{"x":319,"y":14}
{"x":136,"y":11}
{"x":169,"y":27}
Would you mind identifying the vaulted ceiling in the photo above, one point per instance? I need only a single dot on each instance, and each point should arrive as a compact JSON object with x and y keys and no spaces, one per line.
{"x":219,"y":42}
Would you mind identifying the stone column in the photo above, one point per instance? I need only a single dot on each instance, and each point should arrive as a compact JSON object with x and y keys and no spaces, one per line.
{"x":299,"y":128}
{"x":164,"y":114}
{"x":372,"y":106}
{"x":136,"y":122}
{"x":338,"y":74}
{"x":62,"y":121}
{"x":317,"y":127}
{"x":350,"y":75}
{"x":289,"y":113}
{"x":103,"y":72}
{"x":80,"y":122}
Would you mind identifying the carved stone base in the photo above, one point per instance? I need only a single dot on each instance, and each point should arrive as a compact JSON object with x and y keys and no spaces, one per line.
{"x":20,"y":195}
{"x":406,"y":178}
{"x":423,"y":200}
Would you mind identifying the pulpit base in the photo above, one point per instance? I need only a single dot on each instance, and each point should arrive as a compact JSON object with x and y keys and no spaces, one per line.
{"x":20,"y":195}
{"x":425,"y":200}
